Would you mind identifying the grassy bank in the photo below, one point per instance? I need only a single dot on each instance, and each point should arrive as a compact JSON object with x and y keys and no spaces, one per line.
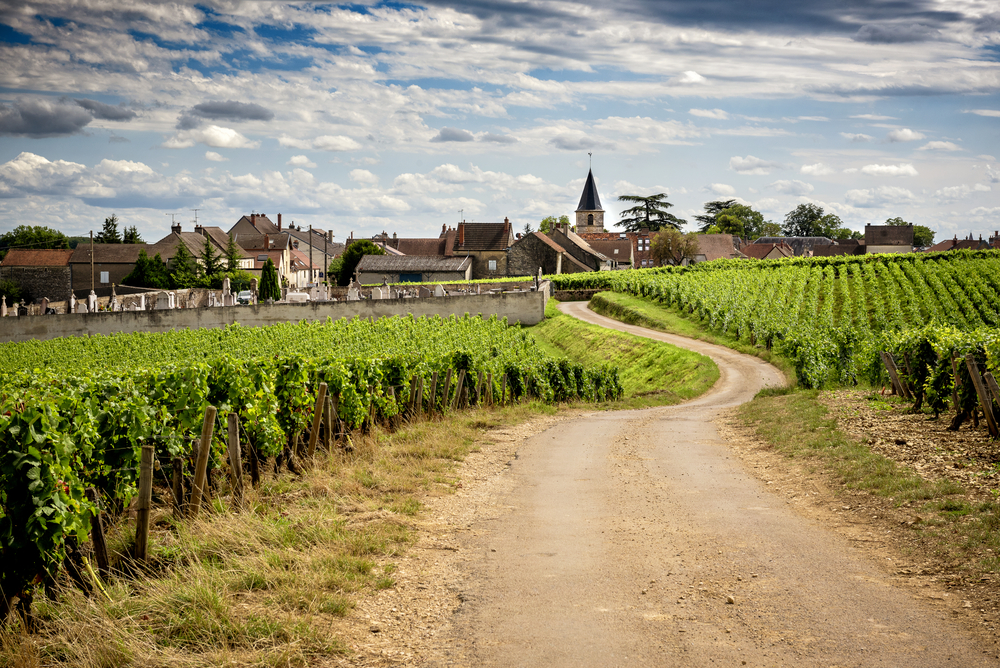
{"x":648,"y":313}
{"x":653,"y":373}
{"x":942,"y":526}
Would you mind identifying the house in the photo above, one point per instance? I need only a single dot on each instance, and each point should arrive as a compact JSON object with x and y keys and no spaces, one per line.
{"x":414,"y":269}
{"x":39,"y":273}
{"x":888,"y":238}
{"x":619,"y":251}
{"x":318,"y":245}
{"x":166,"y":247}
{"x":303,"y":271}
{"x":486,"y":244}
{"x":958,"y":244}
{"x":717,"y":247}
{"x":640,"y":242}
{"x":266,"y":245}
{"x":280,"y":258}
{"x":255,"y":223}
{"x":768,"y":251}
{"x":839,"y":247}
{"x":803,"y":246}
{"x":536,"y":250}
{"x":104,"y":266}
{"x":443,"y":245}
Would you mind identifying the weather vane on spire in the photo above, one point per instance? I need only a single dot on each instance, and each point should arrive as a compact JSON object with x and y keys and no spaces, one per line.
{"x":591,"y":159}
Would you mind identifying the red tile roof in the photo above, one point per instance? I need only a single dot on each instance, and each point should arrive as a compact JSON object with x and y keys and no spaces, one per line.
{"x":18,"y":257}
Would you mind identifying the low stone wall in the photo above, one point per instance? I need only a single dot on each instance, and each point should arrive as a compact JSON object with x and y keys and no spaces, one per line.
{"x":576,"y":295}
{"x":527,"y":308}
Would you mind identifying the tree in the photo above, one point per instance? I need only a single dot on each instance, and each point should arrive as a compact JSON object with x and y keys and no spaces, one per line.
{"x":712,"y":211}
{"x":232,"y":255}
{"x":670,"y":246}
{"x":211,"y":262}
{"x":149,"y":272}
{"x":742,"y":221}
{"x":132,"y":236}
{"x":183,"y":268}
{"x":10,"y":290}
{"x":33,"y":238}
{"x":527,"y":229}
{"x":333,"y":271}
{"x":650,"y":212}
{"x":352,"y":256}
{"x":109,"y":233}
{"x":269,"y":287}
{"x":923,"y":236}
{"x":809,"y":220}
{"x":549,"y":223}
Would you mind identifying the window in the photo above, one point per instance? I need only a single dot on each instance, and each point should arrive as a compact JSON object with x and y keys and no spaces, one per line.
{"x":590,"y":219}
{"x":493,"y":265}
{"x":616,"y":251}
{"x":105,"y":278}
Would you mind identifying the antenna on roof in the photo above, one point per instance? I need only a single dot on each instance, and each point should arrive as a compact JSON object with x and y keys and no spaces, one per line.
{"x":461,"y":213}
{"x":195,"y":221}
{"x":171,"y":218}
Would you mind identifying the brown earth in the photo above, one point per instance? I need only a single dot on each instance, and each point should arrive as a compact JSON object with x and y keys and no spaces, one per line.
{"x":672,"y":536}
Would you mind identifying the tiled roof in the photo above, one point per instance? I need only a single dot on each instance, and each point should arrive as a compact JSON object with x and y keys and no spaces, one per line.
{"x":411,"y":263}
{"x":261,"y":222}
{"x":760,"y":251}
{"x":483,"y":237}
{"x":277,"y":257}
{"x":110,"y":253}
{"x":559,"y":249}
{"x":221,"y":239}
{"x":421,"y":246}
{"x":608,"y":248}
{"x":167,"y":246}
{"x":589,"y":200}
{"x":957,"y":244}
{"x":19,"y":257}
{"x":799,"y":244}
{"x":717,"y":247}
{"x":254,"y":242}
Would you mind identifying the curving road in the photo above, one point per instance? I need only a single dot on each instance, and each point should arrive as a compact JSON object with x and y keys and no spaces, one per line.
{"x":633,"y":539}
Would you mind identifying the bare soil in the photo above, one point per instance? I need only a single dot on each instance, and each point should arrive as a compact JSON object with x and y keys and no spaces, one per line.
{"x":675,"y":537}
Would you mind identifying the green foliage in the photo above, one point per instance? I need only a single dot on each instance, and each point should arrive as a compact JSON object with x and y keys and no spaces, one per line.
{"x":211,"y":262}
{"x":671,"y":247}
{"x":549,"y":223}
{"x":650,"y":212}
{"x":923,"y":236}
{"x":33,"y":238}
{"x":232,"y":255}
{"x":132,"y":236}
{"x":11,"y":290}
{"x":352,"y":256}
{"x":183,"y":268}
{"x":109,"y":233}
{"x":269,"y":287}
{"x":809,"y":220}
{"x":148,"y":272}
{"x":333,"y":271}
{"x":712,"y":211}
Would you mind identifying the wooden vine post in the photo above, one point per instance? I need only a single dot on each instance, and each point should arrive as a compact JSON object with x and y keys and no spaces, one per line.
{"x":317,"y":417}
{"x":97,"y":534}
{"x":143,"y":503}
{"x":447,"y":390}
{"x":489,"y":382}
{"x":235,"y":458}
{"x":897,"y":382}
{"x":433,"y":395}
{"x":956,"y":380}
{"x":201,"y":465}
{"x":458,"y":388}
{"x":994,"y":389}
{"x":420,"y":395}
{"x":984,"y":397}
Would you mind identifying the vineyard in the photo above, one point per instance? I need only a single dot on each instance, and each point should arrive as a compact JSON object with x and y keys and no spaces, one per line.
{"x":76,"y":413}
{"x":832,"y":316}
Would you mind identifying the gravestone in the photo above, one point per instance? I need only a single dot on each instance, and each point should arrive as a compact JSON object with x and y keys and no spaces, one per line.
{"x":72,"y":303}
{"x":81,"y":307}
{"x":173,"y":299}
{"x":92,"y":302}
{"x":162,"y":302}
{"x":226,"y":289}
{"x":3,"y":306}
{"x":424,"y":293}
{"x":440,"y":291}
{"x":354,"y":293}
{"x":253,"y":289}
{"x":228,"y":299}
{"x":44,"y":306}
{"x":142,"y":302}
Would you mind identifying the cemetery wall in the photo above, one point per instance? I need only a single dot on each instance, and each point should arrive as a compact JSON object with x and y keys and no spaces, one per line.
{"x":528,"y":308}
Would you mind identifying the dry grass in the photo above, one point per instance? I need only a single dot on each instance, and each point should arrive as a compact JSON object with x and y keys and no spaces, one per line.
{"x":264,"y":585}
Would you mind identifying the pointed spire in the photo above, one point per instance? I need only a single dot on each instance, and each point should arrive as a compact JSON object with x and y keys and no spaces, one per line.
{"x":590,"y":201}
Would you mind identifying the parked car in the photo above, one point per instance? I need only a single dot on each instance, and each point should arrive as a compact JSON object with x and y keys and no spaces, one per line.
{"x":244,"y":297}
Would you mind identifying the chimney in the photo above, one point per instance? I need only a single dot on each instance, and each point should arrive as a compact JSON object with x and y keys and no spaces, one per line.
{"x":176,"y":229}
{"x":444,"y":228}
{"x":267,"y":244}
{"x":198,"y":229}
{"x":461,"y":234}
{"x":279,"y":222}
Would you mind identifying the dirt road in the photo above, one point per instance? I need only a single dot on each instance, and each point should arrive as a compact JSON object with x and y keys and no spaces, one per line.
{"x":634,"y":539}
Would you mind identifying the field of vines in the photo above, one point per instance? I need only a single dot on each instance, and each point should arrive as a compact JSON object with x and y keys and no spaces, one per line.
{"x":75,"y":412}
{"x":831,"y":316}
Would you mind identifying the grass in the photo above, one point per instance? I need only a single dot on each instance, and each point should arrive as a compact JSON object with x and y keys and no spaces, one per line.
{"x":652,"y":373}
{"x":645,"y":312}
{"x":961,"y":536}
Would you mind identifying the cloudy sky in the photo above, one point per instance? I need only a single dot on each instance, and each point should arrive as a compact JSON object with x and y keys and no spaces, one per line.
{"x":404,"y":117}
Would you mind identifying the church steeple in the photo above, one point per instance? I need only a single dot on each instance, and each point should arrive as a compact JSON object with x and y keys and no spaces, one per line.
{"x":589,"y":214}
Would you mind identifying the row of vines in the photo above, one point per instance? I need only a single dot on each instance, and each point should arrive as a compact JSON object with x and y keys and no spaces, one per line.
{"x":75,"y":413}
{"x":831,"y":316}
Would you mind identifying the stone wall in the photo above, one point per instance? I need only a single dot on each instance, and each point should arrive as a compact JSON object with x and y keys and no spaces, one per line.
{"x":528,"y":254}
{"x":37,"y":282}
{"x":528,"y":308}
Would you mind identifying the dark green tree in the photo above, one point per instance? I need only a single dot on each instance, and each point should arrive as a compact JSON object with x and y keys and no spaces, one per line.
{"x":211,"y":262}
{"x":352,"y":256}
{"x":109,"y":233}
{"x":183,"y":268}
{"x":741,"y":220}
{"x":712,"y":211}
{"x":923,"y":236}
{"x":270,"y":287}
{"x":232,"y":255}
{"x":809,"y":220}
{"x":11,"y":290}
{"x":549,"y":223}
{"x":527,"y":229}
{"x":32,"y":238}
{"x":333,"y":271}
{"x":132,"y":236}
{"x":149,"y":272}
{"x":649,"y":212}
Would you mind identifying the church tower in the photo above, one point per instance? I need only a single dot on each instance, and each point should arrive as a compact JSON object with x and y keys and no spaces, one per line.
{"x":589,"y":214}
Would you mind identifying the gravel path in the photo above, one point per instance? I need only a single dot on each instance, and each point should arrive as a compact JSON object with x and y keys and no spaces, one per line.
{"x":637,"y":538}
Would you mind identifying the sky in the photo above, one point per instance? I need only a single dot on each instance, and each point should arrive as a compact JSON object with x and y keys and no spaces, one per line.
{"x":362,"y":118}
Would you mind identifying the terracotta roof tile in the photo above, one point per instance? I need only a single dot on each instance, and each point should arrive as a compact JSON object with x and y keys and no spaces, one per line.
{"x":19,"y":257}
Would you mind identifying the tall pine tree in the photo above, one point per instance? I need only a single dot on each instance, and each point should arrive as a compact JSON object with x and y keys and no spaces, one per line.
{"x":270,"y":287}
{"x":183,"y":268}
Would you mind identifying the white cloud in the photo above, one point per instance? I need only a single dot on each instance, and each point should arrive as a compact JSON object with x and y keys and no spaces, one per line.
{"x":793,"y":187}
{"x":880,"y":196}
{"x":940,"y":146}
{"x":364,"y":177}
{"x":717,"y":114}
{"x":890,"y":170}
{"x":958,"y":192}
{"x":689,"y":77}
{"x":992,"y":174}
{"x":323,"y":143}
{"x":752,"y":165}
{"x":818,"y":119}
{"x":994,"y":113}
{"x":817,"y":169}
{"x":301,"y":161}
{"x":903,"y":134}
{"x":874,"y":117}
{"x":856,"y":136}
{"x":210,"y":135}
{"x":215,"y":157}
{"x":721,"y":189}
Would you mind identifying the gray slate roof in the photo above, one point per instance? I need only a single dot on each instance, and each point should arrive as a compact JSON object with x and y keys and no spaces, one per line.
{"x":590,"y":201}
{"x":392,"y":264}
